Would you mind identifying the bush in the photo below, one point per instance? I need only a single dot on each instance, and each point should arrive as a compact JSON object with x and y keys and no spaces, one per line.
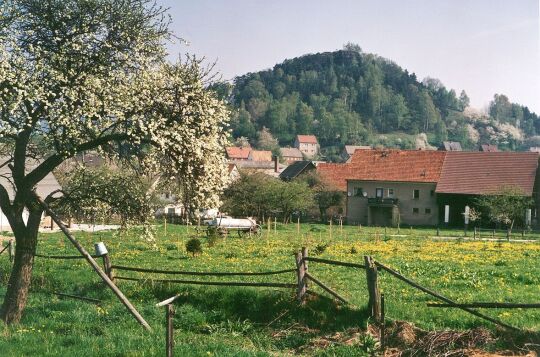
{"x":320,"y":248}
{"x":194,"y":246}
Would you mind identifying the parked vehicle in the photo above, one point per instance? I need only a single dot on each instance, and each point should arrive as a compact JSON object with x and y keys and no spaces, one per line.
{"x":243,"y":226}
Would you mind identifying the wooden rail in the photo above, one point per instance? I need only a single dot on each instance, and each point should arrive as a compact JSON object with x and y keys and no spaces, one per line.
{"x":490,"y":305}
{"x":65,"y":256}
{"x":443,"y":298}
{"x":200,"y":273}
{"x":334,"y":262}
{"x":326,"y":288}
{"x":217,"y":283}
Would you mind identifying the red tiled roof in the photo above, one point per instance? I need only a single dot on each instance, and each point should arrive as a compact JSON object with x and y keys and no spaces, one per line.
{"x":236,"y":153}
{"x":260,"y":155}
{"x":485,"y":172}
{"x":386,"y":165}
{"x":307,"y":139}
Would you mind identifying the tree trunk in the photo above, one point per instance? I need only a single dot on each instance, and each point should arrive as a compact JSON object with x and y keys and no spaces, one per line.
{"x":21,"y":273}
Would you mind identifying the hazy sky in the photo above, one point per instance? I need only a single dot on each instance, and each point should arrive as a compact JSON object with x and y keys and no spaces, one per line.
{"x":482,"y":46}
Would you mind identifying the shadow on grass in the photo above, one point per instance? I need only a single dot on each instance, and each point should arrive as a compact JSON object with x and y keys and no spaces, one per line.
{"x":268,"y":307}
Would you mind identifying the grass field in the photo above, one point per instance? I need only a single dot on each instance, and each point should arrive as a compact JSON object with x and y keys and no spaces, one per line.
{"x":259,"y":322}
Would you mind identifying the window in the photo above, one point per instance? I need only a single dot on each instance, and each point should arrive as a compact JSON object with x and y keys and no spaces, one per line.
{"x":416,"y":194}
{"x":415,"y":210}
{"x":428,"y":210}
{"x":358,"y":191}
{"x":390,"y":193}
{"x":379,"y":192}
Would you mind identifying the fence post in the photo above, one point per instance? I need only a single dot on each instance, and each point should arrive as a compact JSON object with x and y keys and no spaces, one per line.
{"x":11,"y":250}
{"x":169,"y":336}
{"x":438,"y":231}
{"x":305,"y":263}
{"x":301,"y":277}
{"x":298,"y":225}
{"x":374,"y":305}
{"x":383,"y":324}
{"x":101,"y":250}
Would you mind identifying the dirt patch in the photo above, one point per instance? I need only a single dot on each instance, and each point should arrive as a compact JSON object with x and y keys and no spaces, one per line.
{"x":403,"y":339}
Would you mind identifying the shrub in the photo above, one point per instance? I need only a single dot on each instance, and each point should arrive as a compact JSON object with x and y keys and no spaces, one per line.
{"x":320,"y":248}
{"x":194,"y":246}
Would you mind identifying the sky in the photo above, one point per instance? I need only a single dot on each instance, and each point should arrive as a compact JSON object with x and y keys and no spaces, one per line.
{"x":481,"y":46}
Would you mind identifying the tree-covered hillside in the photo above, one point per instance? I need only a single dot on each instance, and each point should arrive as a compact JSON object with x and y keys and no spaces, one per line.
{"x":351,"y":97}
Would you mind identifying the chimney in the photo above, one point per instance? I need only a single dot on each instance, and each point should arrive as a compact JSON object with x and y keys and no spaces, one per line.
{"x":276,"y":164}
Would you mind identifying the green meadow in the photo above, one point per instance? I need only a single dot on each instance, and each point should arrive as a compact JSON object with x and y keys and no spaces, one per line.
{"x":246,"y":321}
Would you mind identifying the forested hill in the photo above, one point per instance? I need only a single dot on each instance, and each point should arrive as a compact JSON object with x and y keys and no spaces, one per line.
{"x":351,"y":97}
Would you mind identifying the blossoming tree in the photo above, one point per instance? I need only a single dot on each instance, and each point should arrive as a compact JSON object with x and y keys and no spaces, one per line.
{"x":79,"y":75}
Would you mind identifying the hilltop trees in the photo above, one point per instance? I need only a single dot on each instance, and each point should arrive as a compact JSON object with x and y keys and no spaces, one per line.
{"x":353,"y":97}
{"x":91,"y":75}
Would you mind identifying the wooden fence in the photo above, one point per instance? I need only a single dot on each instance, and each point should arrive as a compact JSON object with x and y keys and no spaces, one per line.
{"x":304,"y":279}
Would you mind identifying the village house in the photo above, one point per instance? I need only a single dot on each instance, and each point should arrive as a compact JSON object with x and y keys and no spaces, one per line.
{"x":238,"y":153}
{"x":45,"y":187}
{"x":466,"y":175}
{"x":489,"y":148}
{"x":260,"y":155}
{"x":308,"y":145}
{"x":272,"y":168}
{"x":349,"y":150}
{"x":296,"y":169}
{"x":451,"y":146}
{"x":387,"y":187}
{"x":291,"y":155}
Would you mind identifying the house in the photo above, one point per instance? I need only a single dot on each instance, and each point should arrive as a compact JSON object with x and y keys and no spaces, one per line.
{"x":169,"y":206}
{"x":489,"y":148}
{"x":291,"y":155}
{"x":385,"y":187}
{"x":451,"y":146}
{"x":349,"y":150}
{"x":272,"y":168}
{"x":234,"y":174}
{"x":296,"y":169}
{"x":238,"y":153}
{"x":466,"y":175}
{"x":45,"y":187}
{"x":260,"y":155}
{"x":391,"y":187}
{"x":308,"y":145}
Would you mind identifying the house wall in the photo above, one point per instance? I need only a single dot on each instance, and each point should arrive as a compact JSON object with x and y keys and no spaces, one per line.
{"x":357,"y":206}
{"x":310,"y":150}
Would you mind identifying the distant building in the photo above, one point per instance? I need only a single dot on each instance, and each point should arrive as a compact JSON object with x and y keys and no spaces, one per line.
{"x":234,"y":174}
{"x":272,"y":168}
{"x":489,"y":148}
{"x":451,"y":146}
{"x":44,"y":188}
{"x":534,"y":149}
{"x":466,"y":175}
{"x":237,"y":153}
{"x":349,"y":150}
{"x":291,"y":155}
{"x":260,"y":155}
{"x":308,"y":145}
{"x":296,"y":169}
